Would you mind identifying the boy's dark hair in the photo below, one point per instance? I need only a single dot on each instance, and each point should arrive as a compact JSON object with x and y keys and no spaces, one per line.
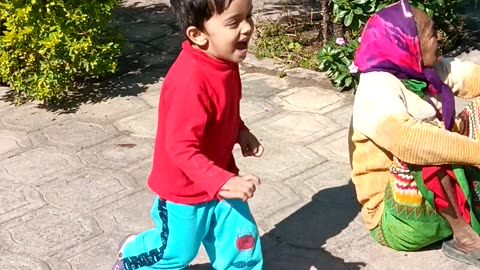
{"x":196,"y":12}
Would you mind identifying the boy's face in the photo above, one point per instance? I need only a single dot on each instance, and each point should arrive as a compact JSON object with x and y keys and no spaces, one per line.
{"x":229,"y":33}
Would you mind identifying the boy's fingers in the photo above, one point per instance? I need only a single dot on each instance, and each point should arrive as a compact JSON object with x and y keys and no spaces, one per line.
{"x":252,"y":178}
{"x":246,"y":151}
{"x":233,"y":195}
{"x":252,"y":187}
{"x":259,"y":151}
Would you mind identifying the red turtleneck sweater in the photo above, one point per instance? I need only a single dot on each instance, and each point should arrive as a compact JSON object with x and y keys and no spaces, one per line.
{"x":198,"y":125}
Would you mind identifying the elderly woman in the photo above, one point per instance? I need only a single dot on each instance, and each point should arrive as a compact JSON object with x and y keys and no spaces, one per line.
{"x":414,"y":164}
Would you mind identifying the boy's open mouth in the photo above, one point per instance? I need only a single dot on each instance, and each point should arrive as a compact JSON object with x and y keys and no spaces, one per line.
{"x":242,"y":45}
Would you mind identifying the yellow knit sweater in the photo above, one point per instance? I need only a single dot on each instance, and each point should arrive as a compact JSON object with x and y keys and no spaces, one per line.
{"x":388,"y":120}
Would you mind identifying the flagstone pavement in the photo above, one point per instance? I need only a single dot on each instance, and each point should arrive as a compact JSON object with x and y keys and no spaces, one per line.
{"x":73,"y":177}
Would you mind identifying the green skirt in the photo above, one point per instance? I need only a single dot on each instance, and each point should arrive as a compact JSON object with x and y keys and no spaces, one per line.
{"x":410,"y":220}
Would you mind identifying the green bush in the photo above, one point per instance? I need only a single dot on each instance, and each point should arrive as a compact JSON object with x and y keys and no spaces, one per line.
{"x":354,"y":13}
{"x":336,"y":58}
{"x":48,"y":45}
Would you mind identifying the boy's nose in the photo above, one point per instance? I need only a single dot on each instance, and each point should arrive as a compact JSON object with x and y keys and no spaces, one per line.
{"x":247,"y":27}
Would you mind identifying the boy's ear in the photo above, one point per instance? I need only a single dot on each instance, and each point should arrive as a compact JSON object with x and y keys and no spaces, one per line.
{"x":196,"y":36}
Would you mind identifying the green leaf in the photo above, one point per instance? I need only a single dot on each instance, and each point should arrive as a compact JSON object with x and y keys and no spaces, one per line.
{"x":39,"y":37}
{"x":348,"y":19}
{"x":338,"y":80}
{"x":379,"y":7}
{"x":429,"y":12}
{"x":371,"y":8}
{"x":420,"y":6}
{"x":342,"y":14}
{"x":358,"y":11}
{"x":348,"y":81}
{"x":336,"y":10}
{"x":355,"y":26}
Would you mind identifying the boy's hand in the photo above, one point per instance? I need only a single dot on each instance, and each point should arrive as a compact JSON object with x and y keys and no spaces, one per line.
{"x":249,"y":144}
{"x":239,"y":187}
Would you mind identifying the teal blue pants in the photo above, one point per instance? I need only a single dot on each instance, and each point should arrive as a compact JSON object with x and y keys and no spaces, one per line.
{"x":226,"y":228}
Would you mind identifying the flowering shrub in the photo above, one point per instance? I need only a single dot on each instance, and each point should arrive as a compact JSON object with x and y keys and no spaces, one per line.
{"x":336,"y":60}
{"x":45,"y":46}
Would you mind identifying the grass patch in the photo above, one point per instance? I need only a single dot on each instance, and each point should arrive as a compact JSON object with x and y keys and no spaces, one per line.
{"x":289,"y":40}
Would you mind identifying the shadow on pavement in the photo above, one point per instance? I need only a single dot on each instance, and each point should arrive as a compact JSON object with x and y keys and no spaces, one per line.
{"x":308,"y":229}
{"x":297,"y":241}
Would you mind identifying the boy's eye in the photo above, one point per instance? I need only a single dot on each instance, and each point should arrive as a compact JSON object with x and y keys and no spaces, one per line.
{"x":232,"y":23}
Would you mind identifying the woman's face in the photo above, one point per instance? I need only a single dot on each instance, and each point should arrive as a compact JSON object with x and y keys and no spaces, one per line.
{"x":428,"y":38}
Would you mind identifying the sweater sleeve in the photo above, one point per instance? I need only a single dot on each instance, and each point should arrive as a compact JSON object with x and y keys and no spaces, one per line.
{"x":462,"y":76}
{"x":422,"y":143}
{"x":186,"y":121}
{"x":381,"y":115}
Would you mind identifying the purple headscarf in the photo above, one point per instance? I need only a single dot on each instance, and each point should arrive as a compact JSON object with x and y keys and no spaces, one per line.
{"x":390,"y":43}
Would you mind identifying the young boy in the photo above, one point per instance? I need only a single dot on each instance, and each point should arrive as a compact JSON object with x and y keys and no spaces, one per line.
{"x":201,"y":197}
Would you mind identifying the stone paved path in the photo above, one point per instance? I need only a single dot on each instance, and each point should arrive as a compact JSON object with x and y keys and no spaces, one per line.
{"x":72,"y":183}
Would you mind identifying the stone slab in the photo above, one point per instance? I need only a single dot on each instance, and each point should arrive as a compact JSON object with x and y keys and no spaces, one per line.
{"x":140,"y":172}
{"x":87,"y":189}
{"x":13,"y":142}
{"x":19,"y":262}
{"x":143,"y":3}
{"x":30,"y":118}
{"x":342,"y":115}
{"x":325,"y":175}
{"x":296,"y":127}
{"x":145,"y":31}
{"x":252,"y":109}
{"x":380,"y":257}
{"x":130,"y":214}
{"x":33,"y":166}
{"x":329,"y":174}
{"x":289,"y":161}
{"x":4,"y":100}
{"x":58,"y":263}
{"x":285,"y":257}
{"x":272,"y":197}
{"x":143,"y":124}
{"x":262,"y":86}
{"x":71,"y":135}
{"x":119,"y":152}
{"x":18,"y":201}
{"x":267,"y":225}
{"x":334,"y":147}
{"x":309,"y":99}
{"x":114,"y":109}
{"x":152,"y":94}
{"x":317,"y":221}
{"x":55,"y":217}
{"x":50,"y":229}
{"x":264,"y":65}
{"x":98,"y":253}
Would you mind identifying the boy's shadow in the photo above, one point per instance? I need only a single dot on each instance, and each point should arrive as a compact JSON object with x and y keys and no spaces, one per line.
{"x":297,"y":241}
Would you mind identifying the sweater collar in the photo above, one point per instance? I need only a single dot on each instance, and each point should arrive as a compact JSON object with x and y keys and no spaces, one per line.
{"x":203,"y":57}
